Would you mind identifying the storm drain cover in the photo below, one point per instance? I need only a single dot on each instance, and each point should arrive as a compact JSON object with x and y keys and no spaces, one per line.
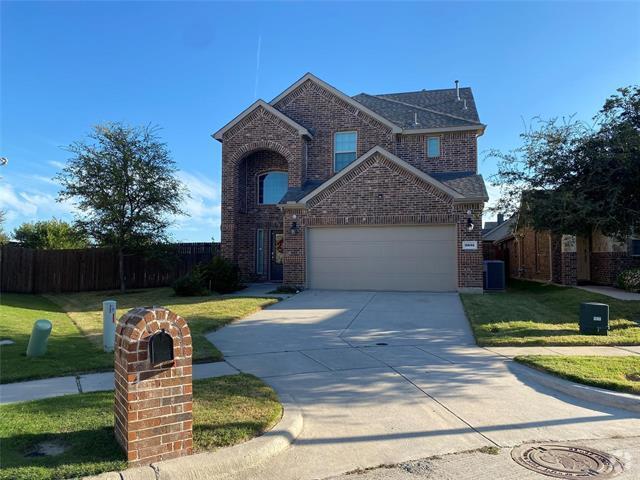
{"x":565,"y":461}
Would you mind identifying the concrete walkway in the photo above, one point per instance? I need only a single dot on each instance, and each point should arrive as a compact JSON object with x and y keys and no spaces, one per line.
{"x":611,"y":292}
{"x":91,"y":382}
{"x":390,"y":377}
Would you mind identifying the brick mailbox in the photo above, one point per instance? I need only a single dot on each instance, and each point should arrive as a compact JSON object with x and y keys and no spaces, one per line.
{"x":153,"y":391}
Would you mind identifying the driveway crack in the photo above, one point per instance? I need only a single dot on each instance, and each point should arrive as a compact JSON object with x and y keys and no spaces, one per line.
{"x":354,"y":319}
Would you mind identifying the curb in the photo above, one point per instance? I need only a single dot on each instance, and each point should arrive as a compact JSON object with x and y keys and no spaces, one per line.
{"x":601,"y":396}
{"x":226,"y":461}
{"x":234,"y":459}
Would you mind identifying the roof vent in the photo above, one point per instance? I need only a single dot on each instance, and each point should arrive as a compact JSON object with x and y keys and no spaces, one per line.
{"x":465,"y":103}
{"x":415,"y":118}
{"x":457,"y":89}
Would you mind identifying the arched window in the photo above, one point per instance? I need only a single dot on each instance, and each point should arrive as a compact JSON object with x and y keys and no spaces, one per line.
{"x":271,"y":187}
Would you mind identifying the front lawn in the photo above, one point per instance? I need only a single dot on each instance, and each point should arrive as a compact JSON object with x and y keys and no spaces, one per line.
{"x":75,"y":345}
{"x":227,"y":410}
{"x":614,"y":373}
{"x":531,"y":313}
{"x":67,"y":348}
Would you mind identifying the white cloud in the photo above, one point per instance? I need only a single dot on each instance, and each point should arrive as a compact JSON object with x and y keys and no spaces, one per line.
{"x":202,"y":207}
{"x":56,"y":164}
{"x":29,"y":205}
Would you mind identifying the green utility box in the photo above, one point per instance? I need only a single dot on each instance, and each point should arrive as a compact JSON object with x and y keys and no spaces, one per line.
{"x":594,"y":318}
{"x":38,"y":340}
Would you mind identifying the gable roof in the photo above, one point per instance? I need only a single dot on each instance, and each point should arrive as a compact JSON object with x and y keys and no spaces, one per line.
{"x":261,"y":104}
{"x":500,"y":232}
{"x":379,"y":150}
{"x":434,"y":110}
{"x":372,"y":113}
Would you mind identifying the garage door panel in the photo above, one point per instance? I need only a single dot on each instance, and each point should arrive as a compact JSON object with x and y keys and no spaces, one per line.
{"x":382,"y":258}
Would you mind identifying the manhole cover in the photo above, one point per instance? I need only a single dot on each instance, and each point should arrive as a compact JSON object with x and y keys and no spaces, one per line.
{"x":564,"y":461}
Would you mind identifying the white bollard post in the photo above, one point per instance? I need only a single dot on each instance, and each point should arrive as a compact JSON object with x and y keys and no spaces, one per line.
{"x":108,"y":324}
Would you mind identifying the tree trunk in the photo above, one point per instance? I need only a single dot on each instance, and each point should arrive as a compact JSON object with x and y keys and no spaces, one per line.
{"x":121,"y":269}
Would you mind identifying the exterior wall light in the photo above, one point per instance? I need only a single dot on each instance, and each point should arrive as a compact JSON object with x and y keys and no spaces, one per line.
{"x":470,"y":224}
{"x":294,"y":225}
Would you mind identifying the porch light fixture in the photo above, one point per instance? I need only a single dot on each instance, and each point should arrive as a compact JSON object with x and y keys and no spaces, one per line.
{"x":470,"y":224}
{"x":294,"y":225}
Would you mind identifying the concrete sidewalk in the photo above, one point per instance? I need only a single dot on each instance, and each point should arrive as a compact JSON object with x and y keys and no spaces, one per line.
{"x":276,"y":364}
{"x":91,"y":382}
{"x":611,"y":292}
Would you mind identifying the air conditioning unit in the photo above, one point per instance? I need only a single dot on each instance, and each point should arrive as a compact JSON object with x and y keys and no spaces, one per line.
{"x":494,"y":275}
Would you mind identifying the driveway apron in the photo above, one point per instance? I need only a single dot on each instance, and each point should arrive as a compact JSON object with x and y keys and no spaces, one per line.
{"x":385,"y":377}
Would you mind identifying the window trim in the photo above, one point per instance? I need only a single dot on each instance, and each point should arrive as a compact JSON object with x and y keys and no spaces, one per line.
{"x":262,"y":174}
{"x":426,"y":146}
{"x":260,"y":251}
{"x":335,"y":151}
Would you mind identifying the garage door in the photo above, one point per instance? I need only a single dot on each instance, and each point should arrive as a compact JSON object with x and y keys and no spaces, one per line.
{"x":382,"y":258}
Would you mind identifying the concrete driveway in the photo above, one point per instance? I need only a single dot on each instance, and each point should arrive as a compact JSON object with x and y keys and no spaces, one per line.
{"x":389,"y":377}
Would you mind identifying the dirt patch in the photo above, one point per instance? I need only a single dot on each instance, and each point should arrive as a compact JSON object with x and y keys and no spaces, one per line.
{"x":634,"y":377}
{"x":48,"y":448}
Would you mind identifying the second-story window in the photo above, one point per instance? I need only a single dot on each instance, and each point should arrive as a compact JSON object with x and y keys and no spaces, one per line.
{"x":344,"y":151}
{"x":433,"y":147}
{"x":271,"y":187}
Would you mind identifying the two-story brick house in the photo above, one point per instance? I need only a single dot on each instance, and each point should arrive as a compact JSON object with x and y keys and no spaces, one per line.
{"x":371,"y":192}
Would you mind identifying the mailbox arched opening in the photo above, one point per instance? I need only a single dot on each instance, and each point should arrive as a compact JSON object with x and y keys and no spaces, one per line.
{"x":160,"y":348}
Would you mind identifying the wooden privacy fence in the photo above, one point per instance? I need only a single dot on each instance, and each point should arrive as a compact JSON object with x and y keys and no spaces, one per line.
{"x":26,"y":270}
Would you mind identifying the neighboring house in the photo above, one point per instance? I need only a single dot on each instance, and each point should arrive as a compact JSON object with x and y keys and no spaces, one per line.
{"x":371,"y":192}
{"x":564,"y":259}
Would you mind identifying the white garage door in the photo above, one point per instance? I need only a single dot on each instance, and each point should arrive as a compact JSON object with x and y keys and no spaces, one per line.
{"x":382,"y":258}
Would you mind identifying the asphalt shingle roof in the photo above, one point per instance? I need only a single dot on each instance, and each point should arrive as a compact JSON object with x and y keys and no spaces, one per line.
{"x":433,"y":108}
{"x":468,"y":184}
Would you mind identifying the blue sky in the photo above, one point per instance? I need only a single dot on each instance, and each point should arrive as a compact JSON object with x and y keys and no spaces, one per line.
{"x":191,"y":67}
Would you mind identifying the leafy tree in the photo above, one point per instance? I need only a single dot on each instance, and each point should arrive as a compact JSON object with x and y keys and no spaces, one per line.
{"x":570,"y":177}
{"x":123,"y":182}
{"x":50,"y":234}
{"x":4,"y":238}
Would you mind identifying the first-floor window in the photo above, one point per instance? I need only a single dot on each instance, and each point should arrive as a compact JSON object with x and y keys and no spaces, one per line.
{"x":260,"y":252}
{"x":635,"y":247}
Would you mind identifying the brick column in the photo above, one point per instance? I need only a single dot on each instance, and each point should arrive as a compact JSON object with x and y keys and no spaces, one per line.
{"x":153,"y":402}
{"x":569,"y":261}
{"x":294,"y":247}
{"x":470,"y":264}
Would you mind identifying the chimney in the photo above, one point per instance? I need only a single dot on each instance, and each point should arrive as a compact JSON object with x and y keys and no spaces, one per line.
{"x":458,"y":89}
{"x":500,"y":218}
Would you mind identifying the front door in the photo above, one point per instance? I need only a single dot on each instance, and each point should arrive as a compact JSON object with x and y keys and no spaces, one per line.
{"x":277,"y":252}
{"x":583,"y":253}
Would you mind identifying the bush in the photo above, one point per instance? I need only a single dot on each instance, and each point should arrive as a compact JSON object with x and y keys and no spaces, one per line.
{"x":222,"y":276}
{"x":191,"y":285}
{"x":629,"y":280}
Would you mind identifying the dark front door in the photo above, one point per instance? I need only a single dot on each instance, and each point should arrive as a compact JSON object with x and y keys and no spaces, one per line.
{"x":277,"y":252}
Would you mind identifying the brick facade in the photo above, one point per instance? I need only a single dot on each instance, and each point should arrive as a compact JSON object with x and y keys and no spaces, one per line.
{"x":378,"y":193}
{"x":153,"y":403}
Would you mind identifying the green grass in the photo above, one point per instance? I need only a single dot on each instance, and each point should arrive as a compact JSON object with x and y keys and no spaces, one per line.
{"x":75,"y":345}
{"x":67,"y":348}
{"x":531,"y":313}
{"x":613,"y":373}
{"x":227,"y":410}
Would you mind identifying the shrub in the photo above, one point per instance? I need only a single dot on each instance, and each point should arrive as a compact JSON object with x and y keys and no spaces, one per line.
{"x":629,"y":280}
{"x":289,"y":289}
{"x":191,"y":285}
{"x":222,"y":276}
